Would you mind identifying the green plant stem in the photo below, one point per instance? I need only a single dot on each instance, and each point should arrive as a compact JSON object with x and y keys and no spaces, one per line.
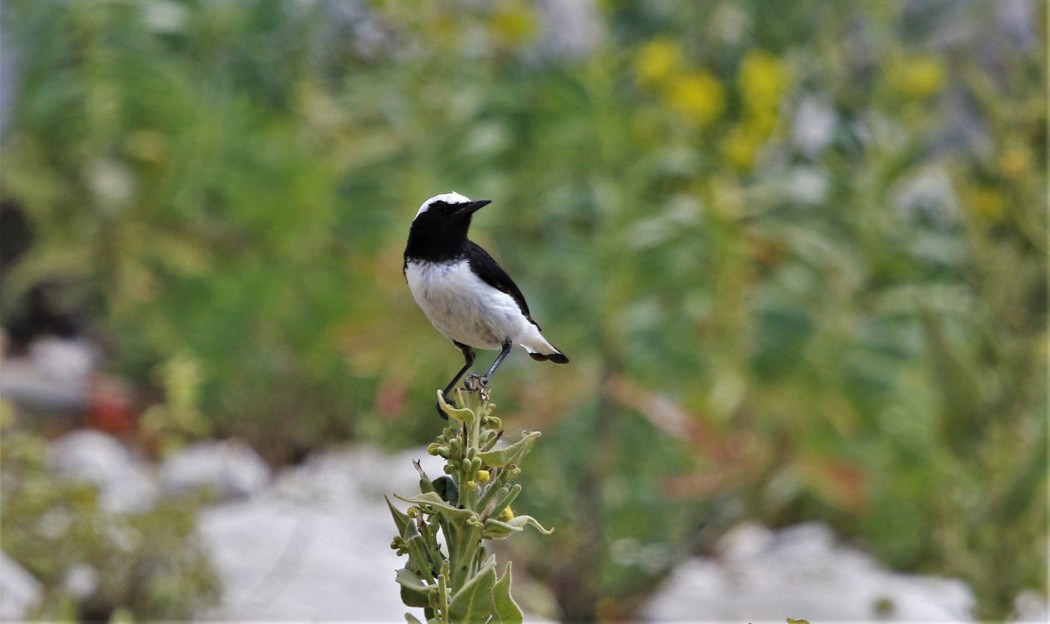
{"x":464,"y":506}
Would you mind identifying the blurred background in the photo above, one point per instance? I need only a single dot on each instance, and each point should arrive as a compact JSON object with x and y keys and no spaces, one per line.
{"x":796,"y":252}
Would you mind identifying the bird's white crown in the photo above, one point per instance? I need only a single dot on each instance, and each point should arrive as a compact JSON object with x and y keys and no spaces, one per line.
{"x":452,"y":198}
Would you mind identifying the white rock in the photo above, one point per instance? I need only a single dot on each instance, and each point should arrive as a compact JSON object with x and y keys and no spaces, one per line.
{"x":570,"y":28}
{"x":315,"y":546}
{"x":813,"y":127}
{"x":125,"y":481}
{"x":64,"y":359}
{"x":54,"y":376}
{"x":1030,"y":606}
{"x":800,"y":572}
{"x":229,"y":468}
{"x":81,"y":580}
{"x":930,"y":193}
{"x":19,"y":591}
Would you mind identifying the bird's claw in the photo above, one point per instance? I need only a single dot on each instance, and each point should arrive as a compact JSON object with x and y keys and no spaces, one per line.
{"x":474,"y":383}
{"x":479,"y":384}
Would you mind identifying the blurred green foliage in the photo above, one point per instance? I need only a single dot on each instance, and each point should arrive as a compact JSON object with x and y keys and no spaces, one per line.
{"x":93,"y":562}
{"x":797,"y":251}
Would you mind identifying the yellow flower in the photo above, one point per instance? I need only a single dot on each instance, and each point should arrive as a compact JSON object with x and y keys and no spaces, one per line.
{"x":506,"y":515}
{"x":987,"y":203}
{"x":763,"y":81}
{"x":1015,"y":162}
{"x":512,"y":25}
{"x":657,"y":61}
{"x":917,"y":77}
{"x":442,"y":31}
{"x":762,"y":122}
{"x":697,"y":96}
{"x":484,"y":476}
{"x":741,"y":145}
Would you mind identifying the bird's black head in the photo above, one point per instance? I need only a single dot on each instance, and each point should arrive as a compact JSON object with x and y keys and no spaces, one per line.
{"x":439,"y":231}
{"x":448,"y":207}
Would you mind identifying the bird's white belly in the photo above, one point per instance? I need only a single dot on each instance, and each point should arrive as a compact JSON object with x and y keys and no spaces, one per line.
{"x":463,"y":307}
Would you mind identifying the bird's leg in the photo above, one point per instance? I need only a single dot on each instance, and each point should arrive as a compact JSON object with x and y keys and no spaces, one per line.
{"x":468,"y":356}
{"x":499,"y":360}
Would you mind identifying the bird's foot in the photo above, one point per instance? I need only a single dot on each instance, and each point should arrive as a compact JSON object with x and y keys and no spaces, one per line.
{"x":479,"y":384}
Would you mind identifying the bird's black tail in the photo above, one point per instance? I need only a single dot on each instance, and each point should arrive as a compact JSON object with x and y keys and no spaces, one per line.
{"x":557,"y":358}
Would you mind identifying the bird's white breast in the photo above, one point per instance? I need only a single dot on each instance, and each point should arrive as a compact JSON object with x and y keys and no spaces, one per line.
{"x":463,"y":307}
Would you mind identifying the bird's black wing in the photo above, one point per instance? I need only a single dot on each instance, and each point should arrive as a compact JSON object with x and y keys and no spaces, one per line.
{"x":493,"y":274}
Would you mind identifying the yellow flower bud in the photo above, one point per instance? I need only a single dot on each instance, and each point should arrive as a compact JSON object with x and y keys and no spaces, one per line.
{"x":506,"y":515}
{"x":483,"y":476}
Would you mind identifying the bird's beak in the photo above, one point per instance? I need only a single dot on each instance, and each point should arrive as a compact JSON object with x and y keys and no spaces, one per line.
{"x":474,"y":206}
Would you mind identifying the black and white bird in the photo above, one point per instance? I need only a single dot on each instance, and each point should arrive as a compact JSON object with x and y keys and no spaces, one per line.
{"x":465,"y":294}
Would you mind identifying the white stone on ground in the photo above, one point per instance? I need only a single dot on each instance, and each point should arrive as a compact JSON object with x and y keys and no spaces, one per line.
{"x":226,"y":468}
{"x":316,"y":546}
{"x":19,"y":591}
{"x":124,"y":480}
{"x":801,"y":572}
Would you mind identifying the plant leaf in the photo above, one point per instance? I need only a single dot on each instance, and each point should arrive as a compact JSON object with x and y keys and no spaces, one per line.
{"x":414,"y":592}
{"x":411,"y":619}
{"x":503,"y":605}
{"x":473,"y":602}
{"x":495,"y":529}
{"x":462,"y":415}
{"x":522,"y":521}
{"x":401,"y":519}
{"x":434,"y":500}
{"x":498,"y":458}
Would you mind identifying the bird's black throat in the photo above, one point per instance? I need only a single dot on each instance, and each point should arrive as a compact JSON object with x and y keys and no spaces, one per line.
{"x":437,"y":237}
